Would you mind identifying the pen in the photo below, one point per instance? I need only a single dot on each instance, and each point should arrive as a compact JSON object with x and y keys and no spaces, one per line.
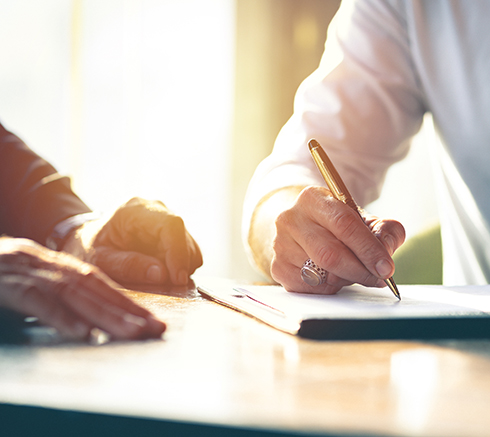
{"x":339,"y":190}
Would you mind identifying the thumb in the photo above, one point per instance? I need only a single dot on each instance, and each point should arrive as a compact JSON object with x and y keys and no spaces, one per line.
{"x":130,"y":267}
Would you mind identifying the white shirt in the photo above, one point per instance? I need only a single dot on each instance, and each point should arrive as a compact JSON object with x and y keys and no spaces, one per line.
{"x":387,"y":63}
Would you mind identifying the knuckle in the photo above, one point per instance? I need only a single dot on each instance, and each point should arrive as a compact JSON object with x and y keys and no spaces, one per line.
{"x":134,"y":201}
{"x":308,"y":193}
{"x":277,"y":246}
{"x":283,"y":218}
{"x":328,"y":258}
{"x":314,"y":197}
{"x":397,"y":230}
{"x":175,"y":222}
{"x":305,"y":194}
{"x":345,"y":223}
{"x":150,"y":205}
{"x":138,"y":205}
{"x":284,"y":221}
{"x":160,"y":204}
{"x":90,"y":273}
{"x":390,"y":227}
{"x":128,"y":267}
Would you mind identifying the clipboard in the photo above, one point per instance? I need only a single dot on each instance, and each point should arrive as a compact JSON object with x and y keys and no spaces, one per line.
{"x":426,"y":312}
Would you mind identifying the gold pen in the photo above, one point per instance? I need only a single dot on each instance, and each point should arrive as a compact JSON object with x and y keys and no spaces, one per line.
{"x":339,"y":190}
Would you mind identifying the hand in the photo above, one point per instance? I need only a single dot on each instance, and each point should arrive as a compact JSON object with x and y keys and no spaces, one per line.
{"x":68,"y":294}
{"x":143,"y":242}
{"x":329,"y":232}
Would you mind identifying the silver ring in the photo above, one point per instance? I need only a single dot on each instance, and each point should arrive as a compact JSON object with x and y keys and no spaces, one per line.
{"x":312,"y":274}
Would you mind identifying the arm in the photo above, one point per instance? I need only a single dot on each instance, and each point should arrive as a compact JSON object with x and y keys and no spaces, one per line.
{"x":62,"y":290}
{"x":363,"y":109}
{"x":143,"y":242}
{"x":34,"y":197}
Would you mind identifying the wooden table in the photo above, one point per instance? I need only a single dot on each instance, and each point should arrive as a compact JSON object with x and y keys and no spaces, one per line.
{"x":218,"y":372}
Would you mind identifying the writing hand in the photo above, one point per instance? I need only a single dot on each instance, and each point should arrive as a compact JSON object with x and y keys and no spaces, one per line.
{"x":332,"y":234}
{"x":68,"y":294}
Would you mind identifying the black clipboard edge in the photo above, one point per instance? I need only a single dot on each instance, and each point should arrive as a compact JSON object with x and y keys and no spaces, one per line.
{"x":441,"y":328}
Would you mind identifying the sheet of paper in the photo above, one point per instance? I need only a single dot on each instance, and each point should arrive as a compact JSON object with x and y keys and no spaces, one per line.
{"x":358,"y":301}
{"x":360,"y":313}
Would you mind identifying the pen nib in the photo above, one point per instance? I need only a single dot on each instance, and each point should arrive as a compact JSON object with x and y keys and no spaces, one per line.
{"x":391,"y":283}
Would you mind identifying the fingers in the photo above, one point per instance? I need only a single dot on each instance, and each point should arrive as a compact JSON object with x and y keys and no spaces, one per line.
{"x":355,"y":252}
{"x":148,"y":228}
{"x":130,"y":267}
{"x":389,"y":232}
{"x":182,"y":255}
{"x":112,"y":312}
{"x":70,"y":295}
{"x":27,"y":298}
{"x":336,"y":239}
{"x":286,"y":266}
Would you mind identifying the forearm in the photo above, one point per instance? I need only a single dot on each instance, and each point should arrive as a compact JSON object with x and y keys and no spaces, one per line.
{"x":34,"y":197}
{"x":262,"y":228}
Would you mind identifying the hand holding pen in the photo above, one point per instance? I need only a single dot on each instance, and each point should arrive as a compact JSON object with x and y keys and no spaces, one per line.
{"x":324,"y":233}
{"x":340,"y":192}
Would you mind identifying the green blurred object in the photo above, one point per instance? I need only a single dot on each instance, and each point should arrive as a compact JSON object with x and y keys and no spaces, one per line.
{"x":419,"y":259}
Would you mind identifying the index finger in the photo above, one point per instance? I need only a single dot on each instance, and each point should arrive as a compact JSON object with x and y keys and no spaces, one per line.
{"x":95,"y":297}
{"x":351,"y":236}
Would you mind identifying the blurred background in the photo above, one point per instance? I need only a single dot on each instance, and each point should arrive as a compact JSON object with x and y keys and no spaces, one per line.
{"x":176,"y":100}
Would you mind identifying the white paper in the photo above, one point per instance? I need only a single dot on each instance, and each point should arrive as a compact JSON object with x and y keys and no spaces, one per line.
{"x":356,"y":301}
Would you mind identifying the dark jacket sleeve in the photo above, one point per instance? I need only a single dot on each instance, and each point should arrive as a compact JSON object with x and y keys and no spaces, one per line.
{"x":34,"y":197}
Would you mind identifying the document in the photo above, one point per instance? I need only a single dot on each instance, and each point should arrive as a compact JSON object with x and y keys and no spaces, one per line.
{"x":357,"y":312}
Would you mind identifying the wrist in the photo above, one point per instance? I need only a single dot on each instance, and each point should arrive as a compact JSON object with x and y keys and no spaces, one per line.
{"x":64,"y":229}
{"x":262,"y":228}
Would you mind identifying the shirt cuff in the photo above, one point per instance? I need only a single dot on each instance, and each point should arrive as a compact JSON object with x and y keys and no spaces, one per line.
{"x":63,"y":229}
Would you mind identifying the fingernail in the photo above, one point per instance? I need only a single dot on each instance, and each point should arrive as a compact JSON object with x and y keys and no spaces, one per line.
{"x":133,"y":323}
{"x":183,"y":277}
{"x":383,"y":267}
{"x":154,"y":274}
{"x":390,"y":241}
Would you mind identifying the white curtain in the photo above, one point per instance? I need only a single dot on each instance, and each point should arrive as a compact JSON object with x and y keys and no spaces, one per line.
{"x":130,"y":98}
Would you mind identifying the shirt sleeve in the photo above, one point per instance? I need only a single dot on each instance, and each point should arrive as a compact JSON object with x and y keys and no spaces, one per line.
{"x":363,"y":105}
{"x":34,"y":197}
